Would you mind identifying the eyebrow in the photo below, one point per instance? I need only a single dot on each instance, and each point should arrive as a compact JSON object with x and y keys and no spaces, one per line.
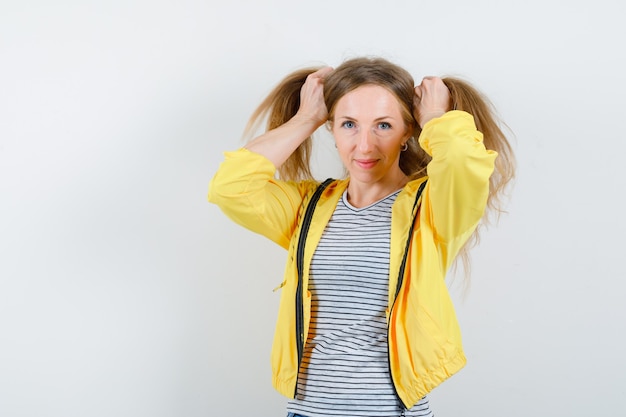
{"x":376,"y":119}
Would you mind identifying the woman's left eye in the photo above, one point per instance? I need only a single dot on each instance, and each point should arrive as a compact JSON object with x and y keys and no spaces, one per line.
{"x":384,"y":125}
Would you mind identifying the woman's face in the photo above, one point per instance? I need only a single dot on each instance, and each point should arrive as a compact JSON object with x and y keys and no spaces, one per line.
{"x":369,"y":132}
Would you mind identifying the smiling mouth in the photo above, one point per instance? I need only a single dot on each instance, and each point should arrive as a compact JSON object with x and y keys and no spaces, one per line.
{"x":366,"y":163}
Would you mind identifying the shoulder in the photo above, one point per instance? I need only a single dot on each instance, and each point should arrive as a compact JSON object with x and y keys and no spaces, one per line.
{"x":413,"y":187}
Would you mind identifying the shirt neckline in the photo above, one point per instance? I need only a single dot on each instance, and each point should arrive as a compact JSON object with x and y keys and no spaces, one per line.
{"x":344,"y":198}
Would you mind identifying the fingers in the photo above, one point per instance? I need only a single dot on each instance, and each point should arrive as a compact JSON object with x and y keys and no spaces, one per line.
{"x":431,"y":85}
{"x":316,"y":79}
{"x":312,"y":106}
{"x":432,"y":99}
{"x":418,"y":93}
{"x":320,"y":73}
{"x":323,"y":72}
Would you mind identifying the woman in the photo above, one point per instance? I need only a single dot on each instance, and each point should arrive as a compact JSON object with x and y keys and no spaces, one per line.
{"x":366,"y":326}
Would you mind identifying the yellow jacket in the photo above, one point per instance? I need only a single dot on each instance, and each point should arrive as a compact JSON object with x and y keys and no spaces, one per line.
{"x":423,"y":333}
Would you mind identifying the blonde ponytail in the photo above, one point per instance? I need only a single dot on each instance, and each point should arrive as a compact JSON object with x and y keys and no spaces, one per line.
{"x":279,"y":106}
{"x":465,"y":97}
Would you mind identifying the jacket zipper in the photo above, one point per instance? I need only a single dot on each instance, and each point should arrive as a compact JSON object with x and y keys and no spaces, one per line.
{"x":393,"y":384}
{"x":395,"y":390}
{"x":399,"y":287}
{"x":304,"y":229}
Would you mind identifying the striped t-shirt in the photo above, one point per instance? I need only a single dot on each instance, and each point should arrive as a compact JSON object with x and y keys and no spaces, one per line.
{"x":345,"y":366}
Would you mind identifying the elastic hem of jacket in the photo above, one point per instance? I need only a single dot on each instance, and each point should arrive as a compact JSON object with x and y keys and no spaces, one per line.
{"x":413,"y":393}
{"x":285,"y":388}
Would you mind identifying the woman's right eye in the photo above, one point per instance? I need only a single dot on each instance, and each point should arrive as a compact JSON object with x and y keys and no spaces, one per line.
{"x":348,"y":124}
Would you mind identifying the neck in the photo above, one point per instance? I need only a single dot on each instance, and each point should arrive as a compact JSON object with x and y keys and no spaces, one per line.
{"x":364,"y":194}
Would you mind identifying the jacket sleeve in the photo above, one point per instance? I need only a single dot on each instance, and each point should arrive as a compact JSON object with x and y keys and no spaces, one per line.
{"x":458,"y":185}
{"x":246,"y":190}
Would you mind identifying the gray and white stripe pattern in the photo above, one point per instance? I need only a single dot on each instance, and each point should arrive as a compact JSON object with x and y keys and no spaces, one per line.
{"x":345,"y":368}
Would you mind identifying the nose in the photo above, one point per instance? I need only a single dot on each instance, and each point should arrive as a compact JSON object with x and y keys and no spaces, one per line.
{"x":366,"y":141}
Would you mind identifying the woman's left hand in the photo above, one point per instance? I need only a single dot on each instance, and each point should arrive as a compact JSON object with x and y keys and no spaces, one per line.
{"x":432,"y":99}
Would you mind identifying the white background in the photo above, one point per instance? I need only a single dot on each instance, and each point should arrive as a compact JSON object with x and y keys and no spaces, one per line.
{"x":124,"y":293}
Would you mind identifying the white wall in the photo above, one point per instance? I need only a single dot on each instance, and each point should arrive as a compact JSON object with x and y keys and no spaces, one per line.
{"x":124,"y":293}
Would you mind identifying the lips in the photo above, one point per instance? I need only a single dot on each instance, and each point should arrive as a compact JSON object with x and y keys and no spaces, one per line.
{"x":366,"y":163}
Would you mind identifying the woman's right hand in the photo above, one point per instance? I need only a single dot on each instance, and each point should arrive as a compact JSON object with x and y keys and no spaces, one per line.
{"x":312,"y":105}
{"x":279,"y":143}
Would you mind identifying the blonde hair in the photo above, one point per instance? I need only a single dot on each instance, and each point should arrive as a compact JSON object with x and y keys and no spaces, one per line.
{"x":283,"y":102}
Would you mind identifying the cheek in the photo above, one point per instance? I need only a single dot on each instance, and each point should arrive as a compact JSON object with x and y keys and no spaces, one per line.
{"x":341,"y":139}
{"x":344,"y":149}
